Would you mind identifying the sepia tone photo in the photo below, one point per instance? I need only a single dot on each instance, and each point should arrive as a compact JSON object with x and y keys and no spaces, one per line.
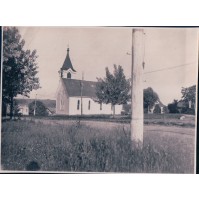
{"x":99,"y":99}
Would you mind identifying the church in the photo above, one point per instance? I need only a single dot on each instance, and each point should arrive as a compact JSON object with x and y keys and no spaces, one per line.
{"x":77,"y":97}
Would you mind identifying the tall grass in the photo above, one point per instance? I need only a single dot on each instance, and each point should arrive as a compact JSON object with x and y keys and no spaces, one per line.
{"x":80,"y":148}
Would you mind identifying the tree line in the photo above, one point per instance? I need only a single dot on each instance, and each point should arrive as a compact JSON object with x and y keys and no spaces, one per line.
{"x":187,"y":104}
{"x":115,"y":89}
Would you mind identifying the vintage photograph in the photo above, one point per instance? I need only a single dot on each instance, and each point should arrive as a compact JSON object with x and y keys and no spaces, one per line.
{"x":99,"y":99}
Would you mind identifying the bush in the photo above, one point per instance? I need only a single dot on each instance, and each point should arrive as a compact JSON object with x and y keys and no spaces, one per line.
{"x":173,"y":107}
{"x":157,"y":109}
{"x":188,"y":110}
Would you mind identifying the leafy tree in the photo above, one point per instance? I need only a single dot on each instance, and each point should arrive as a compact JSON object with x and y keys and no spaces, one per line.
{"x":19,"y":67}
{"x":173,"y":107}
{"x":189,"y":94}
{"x":39,"y":107}
{"x":150,"y":97}
{"x":114,"y":88}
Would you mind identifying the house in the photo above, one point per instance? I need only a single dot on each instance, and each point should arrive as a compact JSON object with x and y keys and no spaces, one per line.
{"x":50,"y":106}
{"x":159,"y":104}
{"x":23,"y":109}
{"x":161,"y":108}
{"x":23,"y":105}
{"x":76,"y":97}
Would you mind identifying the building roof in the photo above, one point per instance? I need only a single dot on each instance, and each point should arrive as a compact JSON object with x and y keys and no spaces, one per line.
{"x":24,"y":101}
{"x":67,"y":63}
{"x":73,"y":87}
{"x":47,"y":102}
{"x":160,"y":103}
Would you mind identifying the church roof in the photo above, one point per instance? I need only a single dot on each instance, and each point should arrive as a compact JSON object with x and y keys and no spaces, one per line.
{"x":73,"y":87}
{"x":67,"y":63}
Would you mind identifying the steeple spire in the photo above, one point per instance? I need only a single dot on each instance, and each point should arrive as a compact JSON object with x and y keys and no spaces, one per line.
{"x":67,"y":67}
{"x":67,"y":63}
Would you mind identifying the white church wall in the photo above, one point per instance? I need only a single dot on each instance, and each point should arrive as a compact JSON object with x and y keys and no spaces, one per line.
{"x":62,"y":101}
{"x":93,"y":109}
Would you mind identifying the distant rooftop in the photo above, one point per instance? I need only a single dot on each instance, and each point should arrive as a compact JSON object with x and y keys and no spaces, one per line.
{"x":47,"y":102}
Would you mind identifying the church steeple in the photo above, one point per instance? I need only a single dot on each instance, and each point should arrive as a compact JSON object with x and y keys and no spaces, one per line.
{"x":67,"y":69}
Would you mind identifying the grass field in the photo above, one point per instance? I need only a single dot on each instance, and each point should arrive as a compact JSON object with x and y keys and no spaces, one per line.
{"x":28,"y":145}
{"x":161,"y":119}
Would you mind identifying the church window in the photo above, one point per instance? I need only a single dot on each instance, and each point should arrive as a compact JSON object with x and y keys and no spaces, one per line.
{"x":78,"y":102}
{"x":89,"y":105}
{"x":69,"y":75}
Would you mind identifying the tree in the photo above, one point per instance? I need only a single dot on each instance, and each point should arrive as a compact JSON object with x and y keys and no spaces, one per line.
{"x":189,"y":96}
{"x":150,"y":97}
{"x":16,"y":109}
{"x":19,"y":67}
{"x":173,"y":107}
{"x":114,"y":88}
{"x":39,"y":107}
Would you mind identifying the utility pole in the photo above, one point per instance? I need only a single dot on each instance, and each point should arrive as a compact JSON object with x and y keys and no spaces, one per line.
{"x":35,"y":105}
{"x":137,"y":87}
{"x":81,"y":94}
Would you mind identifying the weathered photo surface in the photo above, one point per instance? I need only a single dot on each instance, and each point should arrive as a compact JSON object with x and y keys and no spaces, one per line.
{"x":99,"y":99}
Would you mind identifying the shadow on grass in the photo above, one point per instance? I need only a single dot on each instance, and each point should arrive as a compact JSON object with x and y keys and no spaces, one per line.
{"x":33,"y":166}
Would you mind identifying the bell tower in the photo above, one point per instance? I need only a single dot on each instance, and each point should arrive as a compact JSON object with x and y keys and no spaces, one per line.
{"x":67,"y":69}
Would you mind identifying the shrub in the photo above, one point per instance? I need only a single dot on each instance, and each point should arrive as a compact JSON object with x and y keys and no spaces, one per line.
{"x":188,"y":110}
{"x":173,"y":107}
{"x":157,"y":109}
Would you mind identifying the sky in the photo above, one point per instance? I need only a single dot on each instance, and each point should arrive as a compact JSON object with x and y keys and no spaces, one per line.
{"x":170,"y":56}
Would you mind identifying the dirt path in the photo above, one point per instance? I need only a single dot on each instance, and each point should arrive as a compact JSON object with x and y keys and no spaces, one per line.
{"x":110,"y":125}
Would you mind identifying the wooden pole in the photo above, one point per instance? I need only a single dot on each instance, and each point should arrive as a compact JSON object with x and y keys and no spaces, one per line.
{"x":35,"y":105}
{"x":81,"y":95}
{"x":137,"y":86}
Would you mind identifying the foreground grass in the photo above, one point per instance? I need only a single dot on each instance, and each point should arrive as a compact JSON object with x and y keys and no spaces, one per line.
{"x":35,"y":146}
